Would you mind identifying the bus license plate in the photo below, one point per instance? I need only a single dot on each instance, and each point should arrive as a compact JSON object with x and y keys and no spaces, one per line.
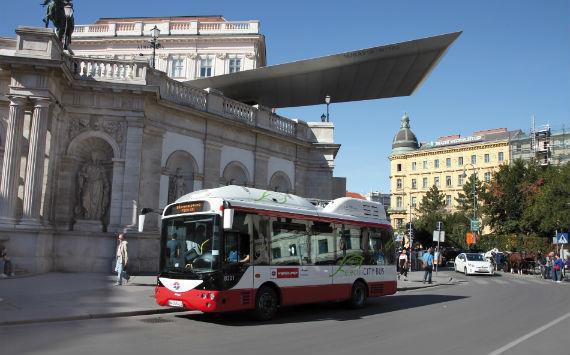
{"x":175,"y":303}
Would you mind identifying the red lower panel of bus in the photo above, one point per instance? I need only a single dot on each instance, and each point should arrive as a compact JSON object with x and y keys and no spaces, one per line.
{"x":235,"y":300}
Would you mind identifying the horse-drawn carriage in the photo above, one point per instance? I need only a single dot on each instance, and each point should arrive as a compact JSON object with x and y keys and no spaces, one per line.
{"x":519,"y":262}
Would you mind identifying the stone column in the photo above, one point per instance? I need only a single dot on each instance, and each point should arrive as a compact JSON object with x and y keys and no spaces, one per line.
{"x":116,"y":194}
{"x":12,"y":159}
{"x":131,"y":182}
{"x":33,"y":186}
{"x":150,"y":174}
{"x":261,"y":178}
{"x":212,"y":160}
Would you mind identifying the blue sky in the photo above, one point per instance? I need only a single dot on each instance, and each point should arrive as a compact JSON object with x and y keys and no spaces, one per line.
{"x":511,"y":62}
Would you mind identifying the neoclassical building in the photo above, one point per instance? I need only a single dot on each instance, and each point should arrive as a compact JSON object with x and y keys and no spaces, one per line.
{"x":446,"y":163}
{"x":86,"y":142}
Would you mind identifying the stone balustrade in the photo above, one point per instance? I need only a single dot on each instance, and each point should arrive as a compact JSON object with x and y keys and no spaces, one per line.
{"x":119,"y":29}
{"x":170,"y":90}
{"x":108,"y":69}
{"x":185,"y":95}
{"x":283,"y":125}
{"x":239,"y":111}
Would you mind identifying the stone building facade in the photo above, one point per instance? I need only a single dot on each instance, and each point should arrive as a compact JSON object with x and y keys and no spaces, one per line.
{"x":446,"y":163}
{"x":190,"y":47}
{"x":86,"y":142}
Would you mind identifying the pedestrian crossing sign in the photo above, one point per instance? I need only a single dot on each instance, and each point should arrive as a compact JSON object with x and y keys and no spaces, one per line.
{"x":562,"y":238}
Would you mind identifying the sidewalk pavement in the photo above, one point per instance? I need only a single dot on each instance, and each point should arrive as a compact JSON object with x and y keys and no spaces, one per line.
{"x":56,"y":297}
{"x":415,"y":280}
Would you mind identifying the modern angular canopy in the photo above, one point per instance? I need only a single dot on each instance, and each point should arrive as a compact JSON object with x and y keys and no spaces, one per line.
{"x":373,"y":73}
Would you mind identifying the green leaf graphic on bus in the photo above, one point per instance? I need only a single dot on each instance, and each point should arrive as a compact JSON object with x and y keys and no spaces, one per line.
{"x":273,"y":197}
{"x":349,"y":260}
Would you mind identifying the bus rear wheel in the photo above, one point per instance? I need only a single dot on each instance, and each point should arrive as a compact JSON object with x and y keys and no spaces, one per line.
{"x":266,"y":303}
{"x":358,"y":295}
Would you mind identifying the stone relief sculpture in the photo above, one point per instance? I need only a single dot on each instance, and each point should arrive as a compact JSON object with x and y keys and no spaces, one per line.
{"x":176,"y":186}
{"x":92,"y":190}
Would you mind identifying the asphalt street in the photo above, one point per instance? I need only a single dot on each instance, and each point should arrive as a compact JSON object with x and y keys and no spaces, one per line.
{"x":505,"y":314}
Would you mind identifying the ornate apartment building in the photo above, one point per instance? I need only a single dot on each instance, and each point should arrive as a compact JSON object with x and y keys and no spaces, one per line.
{"x":445,"y":163}
{"x":191,"y":47}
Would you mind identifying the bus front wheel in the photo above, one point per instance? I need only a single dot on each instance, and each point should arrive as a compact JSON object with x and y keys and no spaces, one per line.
{"x":265,"y":303}
{"x":358,"y":295}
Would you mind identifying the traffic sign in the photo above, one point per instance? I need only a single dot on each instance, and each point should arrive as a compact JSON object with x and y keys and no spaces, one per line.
{"x":475,"y":225}
{"x":562,"y":238}
{"x":437,"y":236}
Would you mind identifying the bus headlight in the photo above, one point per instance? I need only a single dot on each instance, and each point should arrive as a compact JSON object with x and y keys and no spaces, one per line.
{"x":212,"y":296}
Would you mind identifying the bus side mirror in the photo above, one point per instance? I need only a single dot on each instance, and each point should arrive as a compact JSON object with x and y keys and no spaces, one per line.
{"x":228,"y":218}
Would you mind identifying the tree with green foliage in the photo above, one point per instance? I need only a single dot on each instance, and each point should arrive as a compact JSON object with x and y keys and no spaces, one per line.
{"x":430,"y":211}
{"x":548,"y":206}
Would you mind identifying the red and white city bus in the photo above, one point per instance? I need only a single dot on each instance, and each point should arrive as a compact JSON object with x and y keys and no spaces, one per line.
{"x":237,"y":248}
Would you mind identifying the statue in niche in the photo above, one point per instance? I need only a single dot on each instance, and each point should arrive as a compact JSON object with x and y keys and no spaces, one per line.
{"x":176,"y":186}
{"x":93,"y":190}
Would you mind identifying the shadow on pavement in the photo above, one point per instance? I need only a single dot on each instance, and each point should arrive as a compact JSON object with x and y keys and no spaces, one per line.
{"x":325,"y":311}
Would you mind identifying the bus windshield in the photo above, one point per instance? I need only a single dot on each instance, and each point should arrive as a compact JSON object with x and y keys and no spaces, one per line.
{"x":190,"y":244}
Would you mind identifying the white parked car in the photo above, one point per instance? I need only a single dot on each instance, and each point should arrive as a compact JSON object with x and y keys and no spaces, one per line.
{"x":473,"y":263}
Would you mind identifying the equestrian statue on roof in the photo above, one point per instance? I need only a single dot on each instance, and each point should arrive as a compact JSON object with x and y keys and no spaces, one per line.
{"x":60,"y":13}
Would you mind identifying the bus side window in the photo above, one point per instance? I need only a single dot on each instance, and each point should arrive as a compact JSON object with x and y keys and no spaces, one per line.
{"x":320,"y":245}
{"x":349,"y":244}
{"x":261,"y":240}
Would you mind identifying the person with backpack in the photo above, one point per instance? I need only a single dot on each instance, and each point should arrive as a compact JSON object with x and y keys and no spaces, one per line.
{"x":403,"y":264}
{"x":557,"y":266}
{"x":428,"y":264}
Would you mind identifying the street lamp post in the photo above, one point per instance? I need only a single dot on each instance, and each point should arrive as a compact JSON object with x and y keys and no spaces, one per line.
{"x":328,"y":101}
{"x":473,"y":189}
{"x":154,"y":32}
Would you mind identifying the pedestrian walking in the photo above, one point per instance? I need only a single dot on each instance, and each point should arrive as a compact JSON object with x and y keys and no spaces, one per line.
{"x":548,"y":266}
{"x":7,"y":267}
{"x":428,"y":265}
{"x":403,"y":264}
{"x":557,"y":266}
{"x":122,"y":260}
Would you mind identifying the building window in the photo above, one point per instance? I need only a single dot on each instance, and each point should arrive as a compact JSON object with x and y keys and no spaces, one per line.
{"x":501,"y":156}
{"x":448,"y":181}
{"x":436,"y":163}
{"x":235,"y":65}
{"x":399,"y":222}
{"x":413,"y":166}
{"x":436,"y":181}
{"x":399,"y":202}
{"x":399,"y":184}
{"x":487,"y":177}
{"x":518,"y":148}
{"x":414,"y":184}
{"x":425,"y":183}
{"x":399,"y":167}
{"x":177,"y":68}
{"x":460,"y":161}
{"x":205,"y":67}
{"x":460,"y":179}
{"x":487,"y":158}
{"x":448,"y":200}
{"x":425,"y":164}
{"x":448,"y":162}
{"x":414,"y":202}
{"x":473,"y":159}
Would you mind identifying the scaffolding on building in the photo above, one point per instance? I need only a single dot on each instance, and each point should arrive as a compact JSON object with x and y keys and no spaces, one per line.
{"x":540,"y":143}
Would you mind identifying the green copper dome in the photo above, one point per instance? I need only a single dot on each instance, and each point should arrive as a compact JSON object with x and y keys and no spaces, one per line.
{"x":405,"y":140}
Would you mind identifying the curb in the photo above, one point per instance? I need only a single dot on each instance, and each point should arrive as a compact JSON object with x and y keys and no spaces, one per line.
{"x":409,"y":288}
{"x":94,"y":316}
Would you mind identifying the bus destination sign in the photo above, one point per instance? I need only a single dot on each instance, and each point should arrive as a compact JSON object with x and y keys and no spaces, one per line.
{"x":188,"y":207}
